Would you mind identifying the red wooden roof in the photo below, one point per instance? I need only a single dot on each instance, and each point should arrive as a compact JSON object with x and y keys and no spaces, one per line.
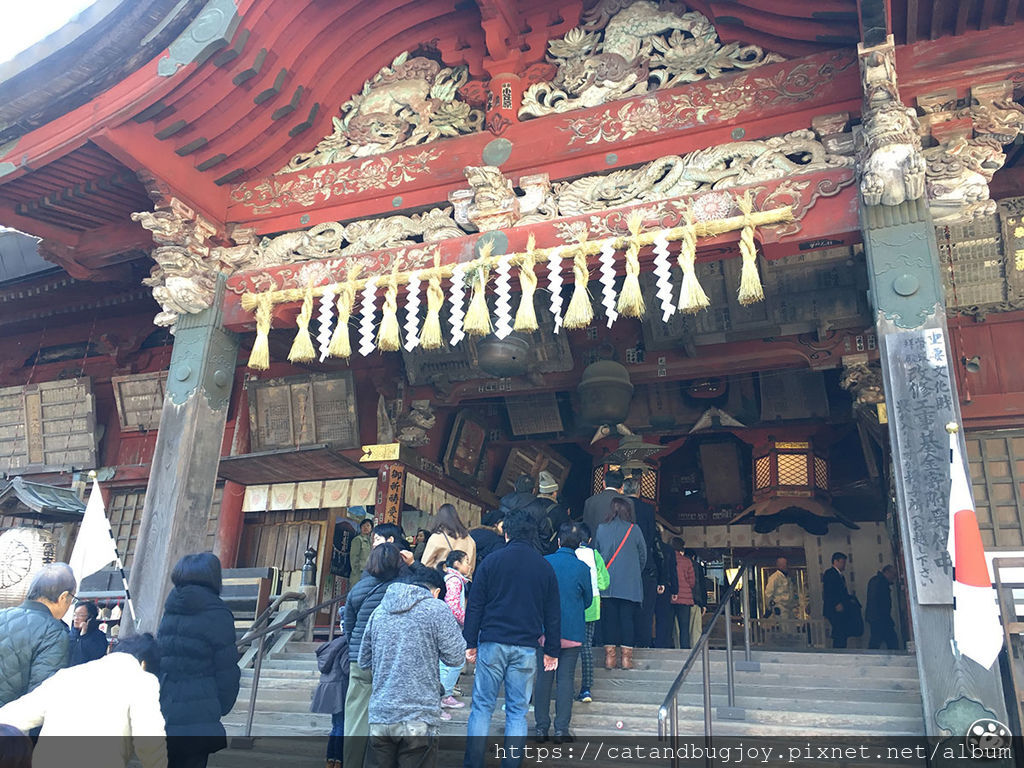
{"x":274,"y":88}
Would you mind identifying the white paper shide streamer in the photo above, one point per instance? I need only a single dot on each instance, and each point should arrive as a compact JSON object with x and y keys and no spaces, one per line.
{"x":607,"y":280}
{"x":326,"y":321}
{"x":412,"y":312}
{"x":368,"y":309}
{"x":503,"y":297}
{"x":555,"y":285}
{"x":458,"y":300}
{"x":663,"y":271}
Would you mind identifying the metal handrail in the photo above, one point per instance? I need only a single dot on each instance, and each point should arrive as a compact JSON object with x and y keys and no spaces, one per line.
{"x":668,"y":712}
{"x":262,"y":634}
{"x":264,"y":618}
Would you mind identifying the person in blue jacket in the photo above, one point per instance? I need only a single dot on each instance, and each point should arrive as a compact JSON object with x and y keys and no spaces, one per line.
{"x":88,"y":641}
{"x":575,"y":593}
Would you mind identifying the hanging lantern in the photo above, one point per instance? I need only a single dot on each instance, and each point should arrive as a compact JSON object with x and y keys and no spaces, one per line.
{"x":503,"y":357}
{"x":791,"y":486}
{"x":605,"y":393}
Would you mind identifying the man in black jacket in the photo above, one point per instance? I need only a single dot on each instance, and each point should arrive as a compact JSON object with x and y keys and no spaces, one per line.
{"x":836,"y":600}
{"x":489,"y":536}
{"x":878,"y":611}
{"x":33,"y":639}
{"x":514,"y":601}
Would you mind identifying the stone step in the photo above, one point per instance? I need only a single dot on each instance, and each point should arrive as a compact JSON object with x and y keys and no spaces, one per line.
{"x":639,"y":718}
{"x":790,"y":664}
{"x":626,"y":692}
{"x":661,"y":680}
{"x":614,"y":702}
{"x":830,"y":657}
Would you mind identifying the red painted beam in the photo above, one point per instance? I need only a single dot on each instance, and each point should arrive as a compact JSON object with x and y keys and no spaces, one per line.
{"x":14,"y":220}
{"x":135,"y":145}
{"x":826,"y":211}
{"x":973,"y":57}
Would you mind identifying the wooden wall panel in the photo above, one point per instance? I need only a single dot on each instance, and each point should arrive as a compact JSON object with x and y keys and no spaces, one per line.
{"x":996,"y":461}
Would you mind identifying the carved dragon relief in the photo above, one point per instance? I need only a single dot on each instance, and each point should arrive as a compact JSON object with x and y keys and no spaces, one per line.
{"x":728,"y":165}
{"x":891,"y":166}
{"x":627,"y":47}
{"x":413,"y":101}
{"x":493,"y":201}
{"x":622,"y":48}
{"x":184,"y":278}
{"x":961,"y":166}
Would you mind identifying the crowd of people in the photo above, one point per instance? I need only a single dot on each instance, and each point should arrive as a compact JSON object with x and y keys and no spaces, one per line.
{"x":161,"y":698}
{"x":525,"y":597}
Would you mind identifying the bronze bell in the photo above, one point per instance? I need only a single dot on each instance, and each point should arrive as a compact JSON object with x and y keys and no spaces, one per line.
{"x":605,"y":392}
{"x":503,"y":357}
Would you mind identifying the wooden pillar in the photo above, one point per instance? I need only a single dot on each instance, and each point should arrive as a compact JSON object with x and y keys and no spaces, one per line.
{"x":232,"y":518}
{"x":188,"y":449}
{"x":910,"y":318}
{"x":230,"y":524}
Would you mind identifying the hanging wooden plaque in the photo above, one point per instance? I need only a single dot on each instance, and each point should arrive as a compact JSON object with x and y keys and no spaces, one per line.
{"x":48,"y":427}
{"x":304,"y":410}
{"x":139,"y":399}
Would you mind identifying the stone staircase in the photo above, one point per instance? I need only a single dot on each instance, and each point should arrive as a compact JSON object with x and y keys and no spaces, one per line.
{"x":806,"y":694}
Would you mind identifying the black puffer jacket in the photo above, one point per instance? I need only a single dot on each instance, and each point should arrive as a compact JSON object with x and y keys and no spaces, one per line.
{"x":33,"y":645}
{"x":364,"y":597}
{"x":198,"y":662}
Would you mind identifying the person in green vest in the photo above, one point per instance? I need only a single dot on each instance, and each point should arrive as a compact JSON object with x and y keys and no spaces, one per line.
{"x":360,"y":551}
{"x":598,"y":580}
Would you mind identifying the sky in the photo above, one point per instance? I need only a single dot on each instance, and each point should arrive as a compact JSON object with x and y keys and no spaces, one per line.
{"x":26,"y":23}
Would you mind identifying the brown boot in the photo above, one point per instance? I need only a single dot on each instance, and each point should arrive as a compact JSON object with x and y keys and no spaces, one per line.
{"x":609,"y":657}
{"x":627,"y":658}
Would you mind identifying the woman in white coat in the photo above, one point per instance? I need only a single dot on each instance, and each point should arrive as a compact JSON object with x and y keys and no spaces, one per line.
{"x":115,"y":697}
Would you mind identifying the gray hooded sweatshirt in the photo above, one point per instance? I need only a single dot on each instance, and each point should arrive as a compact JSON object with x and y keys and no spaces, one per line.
{"x":405,"y":638}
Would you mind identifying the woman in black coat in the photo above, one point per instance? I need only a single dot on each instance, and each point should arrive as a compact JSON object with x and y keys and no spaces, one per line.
{"x":199,"y":662}
{"x":88,"y":641}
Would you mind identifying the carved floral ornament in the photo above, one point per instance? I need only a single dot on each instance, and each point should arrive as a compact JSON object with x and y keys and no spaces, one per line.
{"x":622,"y":48}
{"x":338,"y":302}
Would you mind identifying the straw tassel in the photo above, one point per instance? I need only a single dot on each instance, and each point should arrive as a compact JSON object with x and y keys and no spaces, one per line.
{"x":430,"y":334}
{"x":580,"y":312}
{"x":631,"y":298}
{"x":692,"y":298}
{"x":388,"y":339}
{"x":478,"y":317}
{"x":259,"y":358}
{"x":341,"y":345}
{"x":750,"y":291}
{"x":526,"y":315}
{"x":302,"y":348}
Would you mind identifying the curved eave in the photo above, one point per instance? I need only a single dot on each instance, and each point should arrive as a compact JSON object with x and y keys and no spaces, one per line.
{"x":94,"y":51}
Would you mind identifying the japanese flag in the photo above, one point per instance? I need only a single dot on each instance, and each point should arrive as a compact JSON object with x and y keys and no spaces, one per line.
{"x":977,"y":632}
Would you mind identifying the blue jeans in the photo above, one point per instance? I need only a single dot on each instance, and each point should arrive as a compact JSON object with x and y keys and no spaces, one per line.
{"x":497,"y":663}
{"x":335,"y":739}
{"x":449,"y":677}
